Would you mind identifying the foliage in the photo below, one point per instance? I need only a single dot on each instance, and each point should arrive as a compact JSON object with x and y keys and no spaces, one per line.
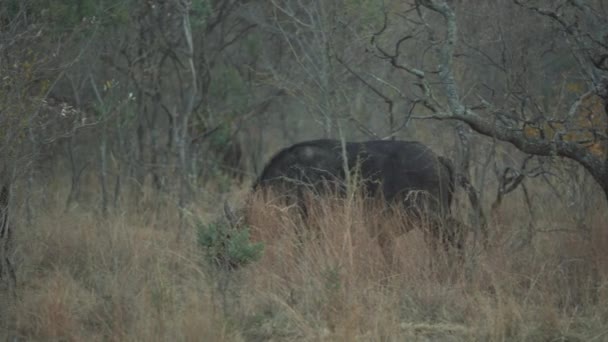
{"x":227,"y":247}
{"x":582,"y":127}
{"x":229,"y":86}
{"x":65,"y":15}
{"x":370,"y":12}
{"x":201,"y":10}
{"x":220,"y":138}
{"x":254,"y":44}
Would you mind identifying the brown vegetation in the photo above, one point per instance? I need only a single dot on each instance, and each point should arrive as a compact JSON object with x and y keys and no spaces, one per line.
{"x":128,"y":278}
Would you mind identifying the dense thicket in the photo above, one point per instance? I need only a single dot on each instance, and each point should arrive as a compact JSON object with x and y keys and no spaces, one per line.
{"x":176,"y":93}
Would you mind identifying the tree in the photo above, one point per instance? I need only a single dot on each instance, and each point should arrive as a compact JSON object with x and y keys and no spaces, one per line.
{"x":313,"y":55}
{"x":32,"y":121}
{"x":573,"y":34}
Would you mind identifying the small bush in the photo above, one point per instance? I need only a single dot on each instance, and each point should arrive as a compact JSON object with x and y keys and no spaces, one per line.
{"x":227,"y":247}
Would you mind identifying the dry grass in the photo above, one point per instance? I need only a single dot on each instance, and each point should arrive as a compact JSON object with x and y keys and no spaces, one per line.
{"x":128,"y":277}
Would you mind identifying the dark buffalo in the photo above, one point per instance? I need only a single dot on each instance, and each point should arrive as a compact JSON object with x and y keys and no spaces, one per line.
{"x":404,"y":174}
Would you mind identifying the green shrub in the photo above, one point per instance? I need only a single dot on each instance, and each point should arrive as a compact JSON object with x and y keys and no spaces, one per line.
{"x":227,"y":247}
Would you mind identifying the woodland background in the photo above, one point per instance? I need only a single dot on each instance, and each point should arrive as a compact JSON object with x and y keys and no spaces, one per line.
{"x":125,"y":124}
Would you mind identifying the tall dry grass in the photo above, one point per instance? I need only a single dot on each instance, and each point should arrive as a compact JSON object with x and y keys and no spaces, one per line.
{"x":129,"y":277}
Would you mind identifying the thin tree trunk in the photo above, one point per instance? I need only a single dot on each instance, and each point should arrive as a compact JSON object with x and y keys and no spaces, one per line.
{"x":29,"y":215}
{"x":103,"y":167}
{"x":183,"y":143}
{"x":76,"y":174}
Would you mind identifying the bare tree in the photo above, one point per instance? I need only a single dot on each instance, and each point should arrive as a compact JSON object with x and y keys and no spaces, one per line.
{"x":314,"y":56}
{"x":578,"y":133}
{"x":32,"y":121}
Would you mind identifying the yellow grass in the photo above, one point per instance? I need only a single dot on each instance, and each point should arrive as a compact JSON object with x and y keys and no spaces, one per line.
{"x":129,"y":278}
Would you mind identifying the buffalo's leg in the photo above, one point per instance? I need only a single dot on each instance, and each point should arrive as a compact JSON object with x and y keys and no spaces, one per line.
{"x":446,"y":234}
{"x":454,"y":240}
{"x":387,"y":247}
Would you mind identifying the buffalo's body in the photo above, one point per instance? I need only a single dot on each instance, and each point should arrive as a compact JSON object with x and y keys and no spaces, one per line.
{"x":393,"y":169}
{"x":402,"y":172}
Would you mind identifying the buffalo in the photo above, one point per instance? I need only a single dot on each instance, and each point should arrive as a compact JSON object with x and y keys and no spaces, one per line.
{"x":406,"y":175}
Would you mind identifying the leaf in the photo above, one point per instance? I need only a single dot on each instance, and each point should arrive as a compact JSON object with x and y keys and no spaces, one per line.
{"x":575,"y":87}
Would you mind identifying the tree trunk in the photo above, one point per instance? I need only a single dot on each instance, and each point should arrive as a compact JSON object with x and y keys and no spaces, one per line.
{"x":103,"y":167}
